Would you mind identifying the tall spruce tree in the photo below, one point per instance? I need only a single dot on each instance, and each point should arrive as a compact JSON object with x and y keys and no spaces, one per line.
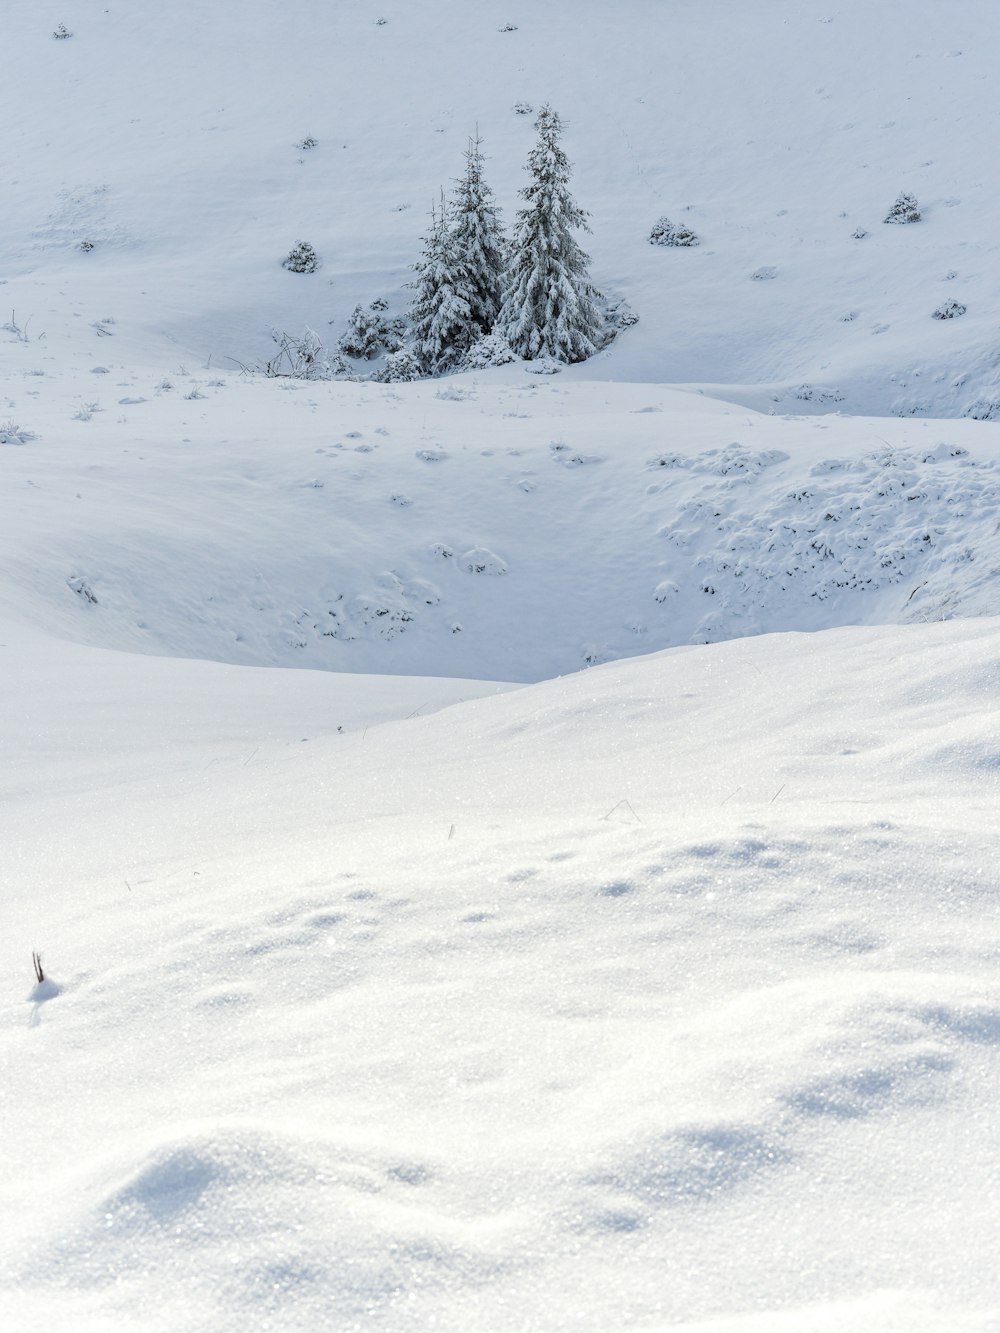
{"x":479,"y":241}
{"x":551,"y":308}
{"x":443,"y":327}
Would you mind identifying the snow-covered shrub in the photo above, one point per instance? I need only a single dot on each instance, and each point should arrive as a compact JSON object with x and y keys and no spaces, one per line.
{"x":983,"y":409}
{"x":392,"y":333}
{"x":764,"y":274}
{"x":670,"y":233}
{"x":369,"y":333}
{"x":302,"y":358}
{"x":362,"y":338}
{"x":492,"y":350}
{"x":307,"y":143}
{"x":509,"y":27}
{"x":904,"y":210}
{"x":859,"y":233}
{"x":82,"y":589}
{"x":481,"y":560}
{"x":400,"y":367}
{"x":949,"y":310}
{"x":302,"y":258}
{"x":522,"y":108}
{"x":11,"y":432}
{"x":619,"y":315}
{"x":86,"y":245}
{"x":61,"y":33}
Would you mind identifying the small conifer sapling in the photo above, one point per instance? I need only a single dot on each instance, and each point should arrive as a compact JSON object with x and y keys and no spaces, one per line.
{"x":302,"y":258}
{"x":904,"y":210}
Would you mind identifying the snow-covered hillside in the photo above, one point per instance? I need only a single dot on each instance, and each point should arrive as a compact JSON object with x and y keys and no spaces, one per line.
{"x":598,"y":930}
{"x":167,"y":137}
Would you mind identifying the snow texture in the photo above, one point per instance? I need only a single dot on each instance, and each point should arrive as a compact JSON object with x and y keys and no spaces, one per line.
{"x":515,"y":851}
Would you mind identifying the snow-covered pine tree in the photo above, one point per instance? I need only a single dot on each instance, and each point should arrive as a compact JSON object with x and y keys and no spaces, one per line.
{"x":478,"y":241}
{"x":551,"y":308}
{"x":442,"y":320}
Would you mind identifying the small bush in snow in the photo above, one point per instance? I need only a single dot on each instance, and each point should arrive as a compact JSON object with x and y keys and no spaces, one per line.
{"x":86,"y":245}
{"x":859,"y":233}
{"x":12,"y":433}
{"x":302,"y":358}
{"x":764,"y":274}
{"x":302,"y":258}
{"x":363,"y":336}
{"x":983,"y":409}
{"x":392,"y":333}
{"x":620,"y":315}
{"x":61,"y":33}
{"x":82,"y":589}
{"x":306,"y":143}
{"x":670,"y":233}
{"x":523,"y":108}
{"x":491,"y":350}
{"x":949,"y":310}
{"x":509,"y":27}
{"x":400,"y":367}
{"x":481,"y":560}
{"x":903,"y":210}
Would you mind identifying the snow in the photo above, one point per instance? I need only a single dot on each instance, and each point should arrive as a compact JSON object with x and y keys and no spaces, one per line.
{"x":674,"y":963}
{"x":514,"y":850}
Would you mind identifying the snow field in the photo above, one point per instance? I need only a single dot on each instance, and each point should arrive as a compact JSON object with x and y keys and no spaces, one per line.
{"x":482,"y":1013}
{"x":393,"y":993}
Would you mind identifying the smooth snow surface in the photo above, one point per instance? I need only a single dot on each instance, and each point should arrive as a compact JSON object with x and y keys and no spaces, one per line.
{"x":661,"y":992}
{"x":440,"y":983}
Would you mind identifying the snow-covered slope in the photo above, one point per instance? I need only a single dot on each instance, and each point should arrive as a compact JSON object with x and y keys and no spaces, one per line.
{"x":653,"y":995}
{"x":461,"y":527}
{"x":394,"y":993}
{"x":167,"y":137}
